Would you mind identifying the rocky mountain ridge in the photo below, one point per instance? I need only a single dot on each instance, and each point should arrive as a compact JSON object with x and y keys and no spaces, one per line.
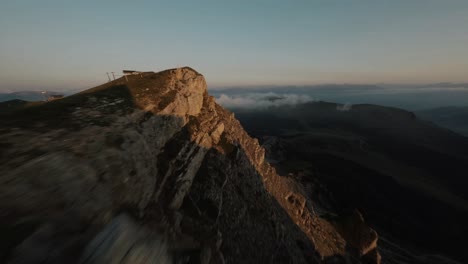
{"x":156,"y":155}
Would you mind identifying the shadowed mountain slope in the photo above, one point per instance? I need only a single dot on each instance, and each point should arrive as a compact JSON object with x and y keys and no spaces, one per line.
{"x":407,"y":176}
{"x":453,"y":118}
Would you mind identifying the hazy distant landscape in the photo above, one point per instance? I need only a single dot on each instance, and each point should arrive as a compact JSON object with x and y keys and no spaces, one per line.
{"x":412,"y":98}
{"x":444,"y":105}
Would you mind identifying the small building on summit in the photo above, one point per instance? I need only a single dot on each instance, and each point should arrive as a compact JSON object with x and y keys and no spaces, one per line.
{"x":54,"y":97}
{"x":130,"y":72}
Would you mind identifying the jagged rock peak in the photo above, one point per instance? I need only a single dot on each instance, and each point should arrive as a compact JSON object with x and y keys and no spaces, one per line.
{"x":178,"y":91}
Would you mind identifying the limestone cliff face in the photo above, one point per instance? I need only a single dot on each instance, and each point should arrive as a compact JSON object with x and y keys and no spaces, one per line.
{"x":157,"y":155}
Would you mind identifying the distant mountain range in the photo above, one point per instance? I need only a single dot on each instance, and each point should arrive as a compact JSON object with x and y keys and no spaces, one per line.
{"x":27,"y":95}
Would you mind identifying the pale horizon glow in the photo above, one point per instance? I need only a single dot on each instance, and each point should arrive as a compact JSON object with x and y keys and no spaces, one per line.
{"x":66,"y":45}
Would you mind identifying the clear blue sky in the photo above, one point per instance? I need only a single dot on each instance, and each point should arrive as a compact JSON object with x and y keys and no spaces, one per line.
{"x":65,"y":44}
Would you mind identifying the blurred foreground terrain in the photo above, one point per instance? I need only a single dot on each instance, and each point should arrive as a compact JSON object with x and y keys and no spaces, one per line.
{"x":152,"y":170}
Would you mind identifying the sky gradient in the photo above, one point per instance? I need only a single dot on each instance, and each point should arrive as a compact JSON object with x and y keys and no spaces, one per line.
{"x":61,"y":45}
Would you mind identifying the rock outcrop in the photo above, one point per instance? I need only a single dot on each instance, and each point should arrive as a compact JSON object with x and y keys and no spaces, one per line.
{"x":154,"y":154}
{"x":359,"y":236}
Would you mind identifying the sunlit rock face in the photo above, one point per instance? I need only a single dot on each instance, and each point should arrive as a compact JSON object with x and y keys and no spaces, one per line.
{"x":155,"y":154}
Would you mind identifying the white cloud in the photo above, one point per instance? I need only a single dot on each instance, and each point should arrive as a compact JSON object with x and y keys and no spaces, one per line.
{"x":261,"y":100}
{"x":344,"y":107}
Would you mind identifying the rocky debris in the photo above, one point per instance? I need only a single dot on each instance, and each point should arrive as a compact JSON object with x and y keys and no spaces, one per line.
{"x":359,"y":236}
{"x":131,"y":164}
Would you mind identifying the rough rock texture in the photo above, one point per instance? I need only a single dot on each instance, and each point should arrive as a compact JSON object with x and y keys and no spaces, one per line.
{"x":359,"y":236}
{"x":157,"y":155}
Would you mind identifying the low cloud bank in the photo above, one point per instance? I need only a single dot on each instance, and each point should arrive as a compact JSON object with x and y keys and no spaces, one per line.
{"x":344,"y":107}
{"x":262,"y":100}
